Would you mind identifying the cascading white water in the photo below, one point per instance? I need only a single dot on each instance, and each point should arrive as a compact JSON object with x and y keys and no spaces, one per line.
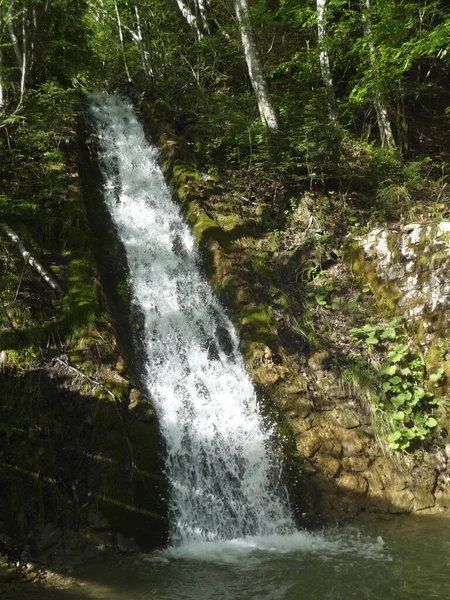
{"x":219,"y":466}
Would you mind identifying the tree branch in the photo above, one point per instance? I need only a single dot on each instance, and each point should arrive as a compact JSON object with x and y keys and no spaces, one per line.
{"x":33,"y":262}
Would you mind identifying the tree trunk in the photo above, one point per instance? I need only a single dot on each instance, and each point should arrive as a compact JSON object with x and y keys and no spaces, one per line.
{"x":384,"y":125}
{"x":324,"y":59}
{"x":255,"y":70}
{"x":13,"y":237}
{"x":202,"y":12}
{"x":2,"y":92}
{"x":119,"y":26}
{"x":190,"y":18}
{"x":140,"y":40}
{"x":20,"y":54}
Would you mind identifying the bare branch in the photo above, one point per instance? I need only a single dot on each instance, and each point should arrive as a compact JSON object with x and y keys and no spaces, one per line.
{"x":49,"y":279}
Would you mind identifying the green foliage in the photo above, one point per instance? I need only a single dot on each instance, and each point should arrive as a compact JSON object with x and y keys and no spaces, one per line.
{"x":406,"y":398}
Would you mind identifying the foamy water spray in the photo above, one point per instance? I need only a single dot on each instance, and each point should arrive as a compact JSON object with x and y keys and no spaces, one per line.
{"x":220,"y":469}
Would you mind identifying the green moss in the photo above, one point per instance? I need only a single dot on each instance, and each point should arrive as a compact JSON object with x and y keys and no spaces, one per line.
{"x":435,"y":360}
{"x":386,"y":295}
{"x":81,"y":301}
{"x":257,"y":324}
{"x":203,"y":227}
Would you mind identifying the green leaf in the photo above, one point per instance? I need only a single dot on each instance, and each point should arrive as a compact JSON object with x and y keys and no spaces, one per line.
{"x":431,"y":422}
{"x":395,"y":380}
{"x":372,"y":340}
{"x":398,"y":353}
{"x":435,"y":377}
{"x":419,"y":393}
{"x":398,"y":400}
{"x":389,"y":334}
{"x":398,"y":416}
{"x":388,"y":369}
{"x":395,"y":435}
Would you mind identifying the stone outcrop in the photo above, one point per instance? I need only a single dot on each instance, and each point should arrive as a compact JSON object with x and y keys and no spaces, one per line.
{"x":408,"y":268}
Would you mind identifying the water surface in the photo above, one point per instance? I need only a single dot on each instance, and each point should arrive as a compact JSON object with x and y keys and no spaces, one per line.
{"x":404,"y":558}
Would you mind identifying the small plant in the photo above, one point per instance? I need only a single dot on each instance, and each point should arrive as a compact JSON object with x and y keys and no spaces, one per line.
{"x":322,"y":292}
{"x":374,"y":334}
{"x":404,"y":398}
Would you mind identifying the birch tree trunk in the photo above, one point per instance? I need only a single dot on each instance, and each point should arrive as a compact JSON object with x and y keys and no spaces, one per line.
{"x":384,"y":125}
{"x":23,"y":70}
{"x":255,"y":70}
{"x":140,"y":40}
{"x":19,"y":53}
{"x":190,"y":18}
{"x":201,"y":8}
{"x":119,"y":27}
{"x":2,"y":92}
{"x":324,"y":59}
{"x":13,"y":237}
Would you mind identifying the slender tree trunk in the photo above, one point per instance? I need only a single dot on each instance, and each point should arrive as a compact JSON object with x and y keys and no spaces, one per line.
{"x":144,"y":61}
{"x":190,"y":18}
{"x":119,"y":27}
{"x":24,"y":52}
{"x":32,"y":45}
{"x":384,"y":125}
{"x":324,"y":59}
{"x":402,"y":126}
{"x":19,"y":53}
{"x":13,"y":237}
{"x":255,"y":70}
{"x":201,"y":7}
{"x":2,"y":91}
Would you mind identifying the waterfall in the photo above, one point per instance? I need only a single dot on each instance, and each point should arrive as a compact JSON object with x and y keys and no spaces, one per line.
{"x":219,"y":464}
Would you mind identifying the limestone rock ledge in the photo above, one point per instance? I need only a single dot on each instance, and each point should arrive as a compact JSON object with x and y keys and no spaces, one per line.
{"x":408,"y":268}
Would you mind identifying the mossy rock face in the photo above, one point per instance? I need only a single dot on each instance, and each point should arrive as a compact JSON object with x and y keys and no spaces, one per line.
{"x":408,"y":269}
{"x":70,"y":451}
{"x":71,"y":440}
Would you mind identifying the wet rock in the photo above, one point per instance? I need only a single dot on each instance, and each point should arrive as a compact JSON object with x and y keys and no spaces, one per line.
{"x":224,"y":340}
{"x":266,"y":376}
{"x":389,"y":474}
{"x":331,"y":445}
{"x":126,"y":544}
{"x":299,"y":426}
{"x":46,"y":537}
{"x":308,"y":444}
{"x":352,"y":442}
{"x":401,"y":501}
{"x":327,"y":464}
{"x":324,"y":402}
{"x":374,"y":481}
{"x":347,"y":418}
{"x":301,"y":407}
{"x":299,"y":386}
{"x":350,"y":482}
{"x":423,"y":499}
{"x":355,"y":463}
{"x":320,"y":361}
